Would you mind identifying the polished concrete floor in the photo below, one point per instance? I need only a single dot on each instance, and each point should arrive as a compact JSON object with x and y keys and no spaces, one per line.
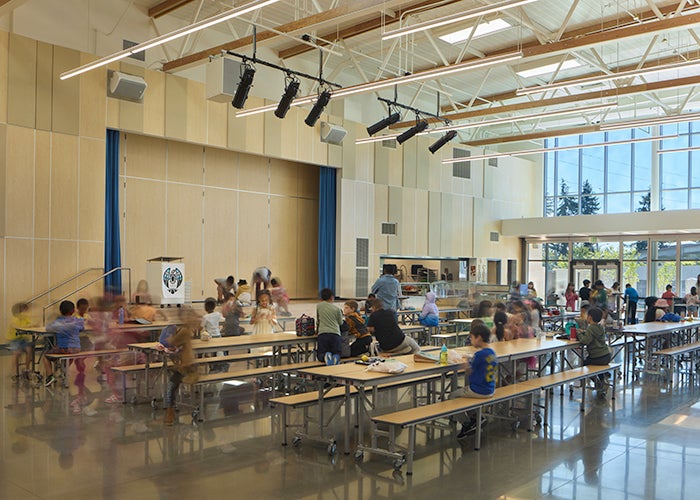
{"x":649,"y":447}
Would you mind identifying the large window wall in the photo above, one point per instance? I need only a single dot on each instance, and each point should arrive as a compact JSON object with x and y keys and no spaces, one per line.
{"x":680,"y":172}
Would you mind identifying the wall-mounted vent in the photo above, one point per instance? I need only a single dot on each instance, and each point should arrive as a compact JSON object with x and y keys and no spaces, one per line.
{"x":494,"y":236}
{"x":361,"y":252}
{"x":389,"y":143}
{"x":389,"y":228}
{"x":139,"y":56}
{"x":493,"y":162}
{"x":461,"y":169}
{"x":361,"y":282}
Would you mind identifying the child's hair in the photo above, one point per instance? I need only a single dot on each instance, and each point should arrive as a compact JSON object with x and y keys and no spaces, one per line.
{"x":499,"y":307}
{"x":586,"y":282}
{"x":19,"y":307}
{"x":353,"y":305}
{"x":595,"y":314}
{"x":669,"y":287}
{"x":209,"y":304}
{"x":477,"y":322}
{"x":376,"y":305}
{"x":481,"y":331}
{"x":599,"y":283}
{"x":230,"y":280}
{"x":275,"y":282}
{"x":371,"y":296}
{"x":81,"y":302}
{"x":500,"y":319}
{"x":66,"y":308}
{"x":261,"y":293}
{"x":628,"y":285}
{"x":483,"y":308}
{"x":242,"y":282}
{"x":326,"y":294}
{"x":693,"y":290}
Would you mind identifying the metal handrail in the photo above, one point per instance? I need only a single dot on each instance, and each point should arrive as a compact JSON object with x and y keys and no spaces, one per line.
{"x":67,"y":280}
{"x":128,"y":269}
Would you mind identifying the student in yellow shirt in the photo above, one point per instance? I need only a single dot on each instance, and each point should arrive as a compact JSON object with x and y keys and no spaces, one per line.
{"x":20,"y":343}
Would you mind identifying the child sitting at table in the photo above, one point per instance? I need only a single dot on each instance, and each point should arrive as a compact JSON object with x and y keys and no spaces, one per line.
{"x":211,"y":320}
{"x":67,"y":329}
{"x":20,"y":343}
{"x":356,"y":328}
{"x":329,"y":319}
{"x":598,"y":349}
{"x":430,"y":315}
{"x":482,"y":370}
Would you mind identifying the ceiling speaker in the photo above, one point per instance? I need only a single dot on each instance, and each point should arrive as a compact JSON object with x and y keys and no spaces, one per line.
{"x":125,"y":86}
{"x":332,"y":134}
{"x":223,"y":76}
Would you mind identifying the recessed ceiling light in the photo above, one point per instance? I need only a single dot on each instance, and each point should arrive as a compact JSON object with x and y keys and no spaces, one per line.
{"x":481,"y":29}
{"x":548,"y":68}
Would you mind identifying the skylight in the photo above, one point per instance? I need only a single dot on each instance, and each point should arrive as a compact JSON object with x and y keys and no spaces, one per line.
{"x":548,"y":68}
{"x":482,"y":29}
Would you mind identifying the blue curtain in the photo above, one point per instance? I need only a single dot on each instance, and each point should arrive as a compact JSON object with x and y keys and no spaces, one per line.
{"x":113,"y":258}
{"x":326,"y":228}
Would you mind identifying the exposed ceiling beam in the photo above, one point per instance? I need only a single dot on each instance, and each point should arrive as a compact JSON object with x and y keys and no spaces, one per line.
{"x":542,"y":134}
{"x":165,"y":7}
{"x":348,"y":8}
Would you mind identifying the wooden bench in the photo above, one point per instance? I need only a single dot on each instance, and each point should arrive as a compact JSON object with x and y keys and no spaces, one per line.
{"x":61,"y":361}
{"x":672,"y":353}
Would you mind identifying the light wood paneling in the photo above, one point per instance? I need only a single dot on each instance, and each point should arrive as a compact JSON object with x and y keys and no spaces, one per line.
{"x":396,"y":195}
{"x":435,"y":226}
{"x":284,"y":229}
{"x":65,"y":117}
{"x":143,"y":234}
{"x":91,"y":254}
{"x":42,"y":185}
{"x":221,"y":168}
{"x":307,"y":268}
{"x":185,"y":163}
{"x":350,"y":155}
{"x":410,"y":157}
{"x":44,"y":85}
{"x":220,"y":239}
{"x":63,"y":260}
{"x":91,"y":194}
{"x":284,"y":177}
{"x":42,"y":277}
{"x":21,"y":84}
{"x":253,"y":233}
{"x":4,"y":304}
{"x":4,"y":57}
{"x":408,"y":222}
{"x":18,"y":275}
{"x":184,"y":229}
{"x":426,"y":161}
{"x":422,"y":222}
{"x":381,"y":214}
{"x":112,"y":118}
{"x":253,"y":173}
{"x":217,"y":123}
{"x":276,"y":141}
{"x":308,"y":181}
{"x":175,"y":107}
{"x":145,"y":156}
{"x":312,"y":137}
{"x":154,"y":103}
{"x":253,"y":127}
{"x":196,"y":112}
{"x":3,"y":177}
{"x":64,"y":187}
{"x":19,"y":208}
{"x":93,"y":100}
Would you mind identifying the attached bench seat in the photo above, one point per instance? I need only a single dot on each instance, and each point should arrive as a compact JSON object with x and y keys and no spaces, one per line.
{"x":671,"y":353}
{"x":62,"y":360}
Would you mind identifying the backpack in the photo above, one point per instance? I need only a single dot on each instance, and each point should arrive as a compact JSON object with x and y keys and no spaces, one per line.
{"x":305,"y":326}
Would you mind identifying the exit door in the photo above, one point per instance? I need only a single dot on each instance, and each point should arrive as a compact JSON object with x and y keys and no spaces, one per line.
{"x":608,"y":271}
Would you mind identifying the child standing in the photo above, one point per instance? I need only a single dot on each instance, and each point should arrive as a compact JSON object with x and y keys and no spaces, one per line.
{"x":329,"y":318}
{"x":242,"y":295}
{"x":210,"y":321}
{"x":263,"y":318}
{"x":279,"y":297}
{"x":356,"y":327}
{"x":232,"y":313}
{"x":430,"y":315}
{"x":67,"y":329}
{"x":482,"y":369}
{"x":594,"y":340}
{"x":20,"y":343}
{"x":571,"y":297}
{"x":668,"y":295}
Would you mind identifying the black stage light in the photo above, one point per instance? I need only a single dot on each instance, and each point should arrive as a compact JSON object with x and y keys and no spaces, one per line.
{"x":451,"y":134}
{"x":290,"y":92}
{"x":244,"y":86}
{"x":383,"y":123}
{"x":418,"y":127}
{"x":318,"y":108}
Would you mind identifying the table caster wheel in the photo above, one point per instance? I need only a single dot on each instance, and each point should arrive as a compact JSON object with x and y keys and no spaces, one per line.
{"x":332,"y":448}
{"x":296,"y":441}
{"x":516,"y":425}
{"x":359,"y":456}
{"x":398,"y":463}
{"x":195,"y":415}
{"x":154,"y":403}
{"x":538,"y":420}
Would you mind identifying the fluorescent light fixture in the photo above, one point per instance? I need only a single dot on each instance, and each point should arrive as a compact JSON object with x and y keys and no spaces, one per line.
{"x":548,"y":68}
{"x":498,"y":121}
{"x":455,"y":18}
{"x":606,"y":78}
{"x":168,"y":37}
{"x":481,"y":29}
{"x":448,"y":161}
{"x":399,"y":80}
{"x":678,"y":150}
{"x":646,"y":122}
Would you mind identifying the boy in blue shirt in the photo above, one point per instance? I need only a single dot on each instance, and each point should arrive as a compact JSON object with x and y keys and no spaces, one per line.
{"x":631,"y":297}
{"x":67,"y":329}
{"x":482,"y":370}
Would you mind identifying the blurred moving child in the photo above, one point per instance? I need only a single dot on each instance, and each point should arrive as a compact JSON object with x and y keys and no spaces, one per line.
{"x":67,"y":329}
{"x":232,"y":313}
{"x":280,"y":297}
{"x":598,"y":349}
{"x":212,"y":319}
{"x":20,"y":343}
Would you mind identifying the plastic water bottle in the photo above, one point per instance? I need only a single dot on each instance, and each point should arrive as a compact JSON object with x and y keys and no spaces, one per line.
{"x":443,"y":355}
{"x":121,"y":315}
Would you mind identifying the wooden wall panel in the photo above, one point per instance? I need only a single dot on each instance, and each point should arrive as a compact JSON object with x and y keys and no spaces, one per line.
{"x":217,"y":123}
{"x":93,"y":100}
{"x":175,"y":107}
{"x":253,"y":234}
{"x":143,"y":234}
{"x":435,"y":226}
{"x":5,"y":305}
{"x":221,"y":168}
{"x":424,"y":160}
{"x":284,"y":177}
{"x":381,"y":214}
{"x":275,"y":140}
{"x":308,"y":181}
{"x":64,"y":187}
{"x":42,"y":185}
{"x":220,"y":239}
{"x":422,"y":222}
{"x":395,"y":214}
{"x":184,"y":229}
{"x":4,"y":57}
{"x":3,"y":178}
{"x":185,"y":162}
{"x":284,"y":230}
{"x":19,"y":201}
{"x":196,"y":112}
{"x":65,"y":116}
{"x":154,"y":104}
{"x":91,"y":194}
{"x":42,"y":275}
{"x":18,"y":275}
{"x":146,"y":156}
{"x":307,"y":268}
{"x":44,"y":86}
{"x":311,"y":137}
{"x":21,"y":83}
{"x":91,"y":254}
{"x":351,"y":154}
{"x":409,"y":226}
{"x":410,"y":156}
{"x":63,"y":260}
{"x":112,"y":113}
{"x":253,"y":173}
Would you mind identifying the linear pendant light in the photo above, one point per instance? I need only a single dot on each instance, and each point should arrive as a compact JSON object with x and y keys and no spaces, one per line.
{"x":678,"y":150}
{"x":606,"y":78}
{"x":399,"y":80}
{"x":641,"y":123}
{"x":168,"y":37}
{"x":498,"y":121}
{"x":524,"y":152}
{"x":454,"y":18}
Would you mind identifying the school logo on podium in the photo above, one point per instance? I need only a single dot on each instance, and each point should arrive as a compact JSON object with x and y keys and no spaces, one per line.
{"x":172,"y":279}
